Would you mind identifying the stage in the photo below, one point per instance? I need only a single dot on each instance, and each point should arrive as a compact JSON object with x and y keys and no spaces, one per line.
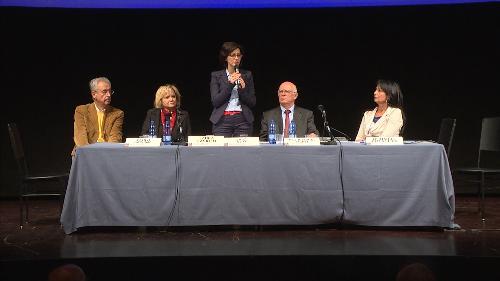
{"x":326,"y":252}
{"x":391,"y":213}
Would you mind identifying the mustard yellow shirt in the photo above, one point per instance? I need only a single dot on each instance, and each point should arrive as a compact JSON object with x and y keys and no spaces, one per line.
{"x":100,"y":121}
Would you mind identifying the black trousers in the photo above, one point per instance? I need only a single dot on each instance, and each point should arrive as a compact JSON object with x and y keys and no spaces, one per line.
{"x":233,"y":126}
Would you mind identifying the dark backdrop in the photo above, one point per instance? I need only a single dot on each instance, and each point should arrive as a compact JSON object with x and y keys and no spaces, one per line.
{"x":446,"y":59}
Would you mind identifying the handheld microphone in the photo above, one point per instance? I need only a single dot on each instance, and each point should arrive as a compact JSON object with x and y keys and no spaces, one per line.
{"x":237,"y":70}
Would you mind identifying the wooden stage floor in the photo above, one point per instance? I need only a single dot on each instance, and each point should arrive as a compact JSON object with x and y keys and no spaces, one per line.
{"x":249,"y":253}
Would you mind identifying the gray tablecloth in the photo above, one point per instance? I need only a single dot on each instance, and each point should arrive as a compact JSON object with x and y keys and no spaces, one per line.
{"x":114,"y":185}
{"x":405,"y":185}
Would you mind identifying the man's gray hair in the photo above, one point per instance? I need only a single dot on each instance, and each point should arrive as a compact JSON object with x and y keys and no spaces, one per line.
{"x":93,"y":83}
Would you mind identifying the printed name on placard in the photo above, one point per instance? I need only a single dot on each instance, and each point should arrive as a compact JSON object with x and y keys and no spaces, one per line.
{"x":384,"y":140}
{"x":145,"y":142}
{"x":242,"y":141}
{"x":301,"y":141}
{"x":206,"y":140}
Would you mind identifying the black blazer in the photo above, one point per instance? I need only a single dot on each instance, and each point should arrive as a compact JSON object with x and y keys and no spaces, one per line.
{"x":220,"y":91}
{"x":181,"y":121}
{"x":304,"y":120}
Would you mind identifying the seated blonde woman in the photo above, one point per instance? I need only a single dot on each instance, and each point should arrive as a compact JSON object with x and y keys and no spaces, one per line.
{"x":167,"y":107}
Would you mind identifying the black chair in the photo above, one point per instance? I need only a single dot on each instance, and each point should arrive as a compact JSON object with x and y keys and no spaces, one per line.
{"x":446,"y":133}
{"x":26,"y":180}
{"x":489,"y":142}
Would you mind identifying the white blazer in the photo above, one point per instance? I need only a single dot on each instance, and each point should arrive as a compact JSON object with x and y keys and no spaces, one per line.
{"x":389,"y":125}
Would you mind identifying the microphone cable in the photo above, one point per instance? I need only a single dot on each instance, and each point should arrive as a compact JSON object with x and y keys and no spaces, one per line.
{"x":176,"y":203}
{"x":327,"y":127}
{"x":341,"y":174}
{"x":342,"y":133}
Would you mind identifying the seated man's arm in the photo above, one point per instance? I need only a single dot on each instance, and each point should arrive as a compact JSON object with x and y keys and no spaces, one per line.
{"x":311,"y":127}
{"x":80,"y":127}
{"x":263,"y":128}
{"x":116,"y":134}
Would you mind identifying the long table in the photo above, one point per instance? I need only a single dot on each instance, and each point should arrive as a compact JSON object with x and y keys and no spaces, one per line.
{"x":352,"y":183}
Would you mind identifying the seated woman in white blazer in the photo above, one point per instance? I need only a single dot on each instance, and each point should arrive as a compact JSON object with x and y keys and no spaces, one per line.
{"x":387,"y":119}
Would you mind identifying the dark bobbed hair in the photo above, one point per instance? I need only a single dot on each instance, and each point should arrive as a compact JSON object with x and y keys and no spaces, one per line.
{"x":226,"y":49}
{"x":394,"y":97}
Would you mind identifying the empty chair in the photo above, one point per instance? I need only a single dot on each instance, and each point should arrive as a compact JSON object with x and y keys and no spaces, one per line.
{"x":489,"y":142}
{"x":26,"y":180}
{"x":446,"y":132}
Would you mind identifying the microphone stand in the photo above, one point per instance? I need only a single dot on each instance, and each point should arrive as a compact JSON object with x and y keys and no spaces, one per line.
{"x":327,"y":128}
{"x":180,"y":140}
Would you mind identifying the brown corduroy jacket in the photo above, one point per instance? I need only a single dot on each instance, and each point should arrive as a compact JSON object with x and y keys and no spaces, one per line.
{"x":86,"y":128}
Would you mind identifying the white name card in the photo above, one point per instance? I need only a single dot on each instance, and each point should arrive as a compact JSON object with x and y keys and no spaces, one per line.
{"x":384,"y":140}
{"x":206,"y":141}
{"x":301,"y":141}
{"x":143,"y":142}
{"x":242,"y":141}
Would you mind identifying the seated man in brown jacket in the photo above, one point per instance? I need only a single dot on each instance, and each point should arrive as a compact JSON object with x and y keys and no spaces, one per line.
{"x":98,"y":121}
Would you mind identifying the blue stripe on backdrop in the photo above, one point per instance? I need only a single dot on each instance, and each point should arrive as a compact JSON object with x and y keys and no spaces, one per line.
{"x":223,"y":3}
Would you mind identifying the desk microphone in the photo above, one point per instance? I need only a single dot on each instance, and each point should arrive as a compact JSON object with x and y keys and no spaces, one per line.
{"x":321,"y":108}
{"x":326,"y":127}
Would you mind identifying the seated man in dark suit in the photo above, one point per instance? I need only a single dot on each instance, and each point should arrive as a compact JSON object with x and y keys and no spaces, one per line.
{"x":286,"y":112}
{"x":98,"y":121}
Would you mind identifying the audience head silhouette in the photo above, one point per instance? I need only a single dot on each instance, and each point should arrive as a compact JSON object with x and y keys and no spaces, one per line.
{"x":415,"y":272}
{"x":67,"y":272}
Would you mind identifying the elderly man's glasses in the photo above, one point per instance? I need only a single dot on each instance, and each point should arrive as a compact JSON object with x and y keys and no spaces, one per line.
{"x":287,"y":92}
{"x":236,"y":55}
{"x":105,"y":92}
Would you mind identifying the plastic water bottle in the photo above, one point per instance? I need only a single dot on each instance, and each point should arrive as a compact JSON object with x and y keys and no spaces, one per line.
{"x":152,"y":129}
{"x":292,"y":130}
{"x":271,"y":137}
{"x":167,"y":137}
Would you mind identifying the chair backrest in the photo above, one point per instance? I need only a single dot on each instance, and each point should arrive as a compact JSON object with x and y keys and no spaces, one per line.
{"x":17,"y":149}
{"x":490,"y":136}
{"x":446,"y":133}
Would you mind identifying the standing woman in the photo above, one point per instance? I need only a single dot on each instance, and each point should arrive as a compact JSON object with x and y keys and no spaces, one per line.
{"x":387,"y":119}
{"x":233,"y":94}
{"x":167,"y":107}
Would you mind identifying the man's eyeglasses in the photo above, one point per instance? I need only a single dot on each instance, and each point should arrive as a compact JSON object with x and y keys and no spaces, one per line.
{"x":236,"y":55}
{"x":287,"y":92}
{"x":105,"y":92}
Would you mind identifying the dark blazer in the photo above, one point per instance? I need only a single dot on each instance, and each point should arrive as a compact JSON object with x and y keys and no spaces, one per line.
{"x":182,"y":120}
{"x":304,"y":120}
{"x":220,"y":91}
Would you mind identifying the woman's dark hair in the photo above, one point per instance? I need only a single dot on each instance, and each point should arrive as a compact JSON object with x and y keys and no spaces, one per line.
{"x":393,"y":92}
{"x":226,"y":49}
{"x":394,"y":97}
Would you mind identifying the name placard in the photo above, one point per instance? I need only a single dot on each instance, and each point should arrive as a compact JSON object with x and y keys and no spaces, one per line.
{"x":242,"y":141}
{"x":301,"y":141}
{"x":143,"y":142}
{"x":206,"y":141}
{"x":384,"y":140}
